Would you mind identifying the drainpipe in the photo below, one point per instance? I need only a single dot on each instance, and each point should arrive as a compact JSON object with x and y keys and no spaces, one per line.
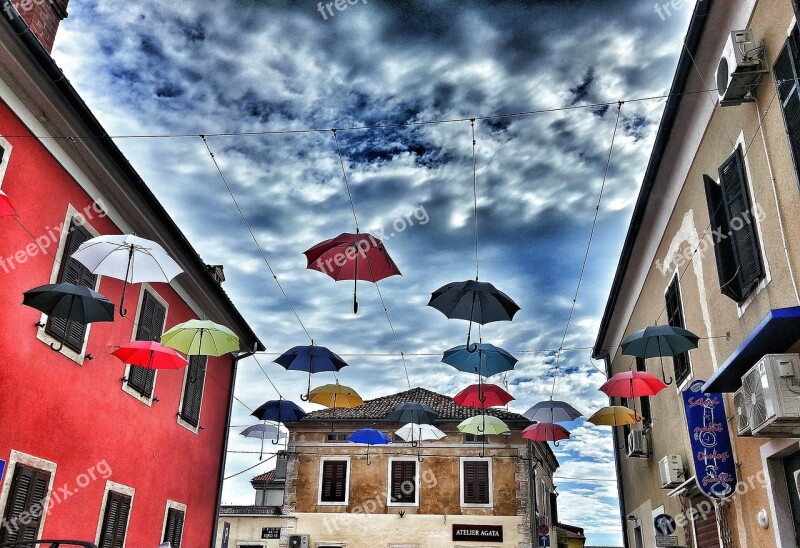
{"x":618,"y":466}
{"x":236,"y":359}
{"x":532,"y":489}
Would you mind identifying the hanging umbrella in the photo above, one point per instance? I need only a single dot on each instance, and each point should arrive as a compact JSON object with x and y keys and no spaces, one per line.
{"x":129,"y":258}
{"x":632,"y":384}
{"x":280,"y":411}
{"x":659,"y":341}
{"x":483,"y":425}
{"x":352,"y":257}
{"x":417,"y":433}
{"x":312,"y":358}
{"x":552,"y":411}
{"x":369,"y":436}
{"x":413,"y":412}
{"x":149,"y":354}
{"x":474,"y":301}
{"x":201,"y":338}
{"x":70,"y":302}
{"x":335,"y":395}
{"x":262,"y":432}
{"x":6,"y":209}
{"x":615,"y":415}
{"x":482,"y":358}
{"x":545,"y":431}
{"x":482,"y":396}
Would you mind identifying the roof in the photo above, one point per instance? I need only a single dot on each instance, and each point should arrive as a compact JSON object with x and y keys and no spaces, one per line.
{"x":685,"y":65}
{"x":571,"y":531}
{"x":266,"y":476}
{"x":377,"y":409}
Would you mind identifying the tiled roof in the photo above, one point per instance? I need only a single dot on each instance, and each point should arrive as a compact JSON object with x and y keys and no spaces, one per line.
{"x":378,"y":408}
{"x":571,"y":534}
{"x":266,"y":476}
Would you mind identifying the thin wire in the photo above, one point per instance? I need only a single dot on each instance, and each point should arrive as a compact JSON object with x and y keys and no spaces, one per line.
{"x":247,"y":406}
{"x":394,"y":334}
{"x":588,"y":245}
{"x":714,"y":103}
{"x":389,"y":354}
{"x":259,"y":463}
{"x":344,"y":175}
{"x":266,"y":375}
{"x":475,"y":197}
{"x":253,"y":236}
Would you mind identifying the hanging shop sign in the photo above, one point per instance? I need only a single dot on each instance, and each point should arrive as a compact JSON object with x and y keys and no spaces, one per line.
{"x":478,"y":533}
{"x":712,"y":453}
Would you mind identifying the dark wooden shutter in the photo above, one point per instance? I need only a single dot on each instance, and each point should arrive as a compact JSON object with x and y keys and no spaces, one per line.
{"x":28,"y":487}
{"x":115,"y":521}
{"x":720,"y":231}
{"x":193,"y":393}
{"x":174,"y":528}
{"x":72,"y":272}
{"x":553,"y":508}
{"x":644,"y":401}
{"x":744,"y":241}
{"x":476,"y":482}
{"x":404,"y":475}
{"x":151,"y":323}
{"x":675,"y":319}
{"x":786,"y":73}
{"x":334,"y":481}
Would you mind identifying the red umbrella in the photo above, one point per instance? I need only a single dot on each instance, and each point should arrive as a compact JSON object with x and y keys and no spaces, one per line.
{"x":352,"y":257}
{"x":482,"y":396}
{"x":545,"y":431}
{"x":6,"y":209}
{"x":149,"y":354}
{"x":632,"y":384}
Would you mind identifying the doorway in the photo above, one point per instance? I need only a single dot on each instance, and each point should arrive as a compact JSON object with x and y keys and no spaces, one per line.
{"x":791,"y":468}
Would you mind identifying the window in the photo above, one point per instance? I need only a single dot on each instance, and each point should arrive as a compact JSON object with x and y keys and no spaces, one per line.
{"x":403,"y":481}
{"x":73,"y":272}
{"x":645,"y":400}
{"x":193,"y":389}
{"x":554,"y":507}
{"x":25,"y":505}
{"x":738,"y":254}
{"x":336,"y":436}
{"x":150,"y":325}
{"x":476,"y":488}
{"x":675,"y":319}
{"x":174,"y":527}
{"x":115,"y":521}
{"x":333,"y":488}
{"x":474,"y":438}
{"x":787,"y":68}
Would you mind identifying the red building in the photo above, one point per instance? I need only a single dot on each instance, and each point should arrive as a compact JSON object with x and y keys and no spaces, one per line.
{"x":95,"y":451}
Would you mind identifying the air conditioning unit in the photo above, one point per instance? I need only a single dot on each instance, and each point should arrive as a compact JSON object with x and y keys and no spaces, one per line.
{"x":299,"y":541}
{"x":743,"y":404}
{"x":637,"y":446}
{"x":774,"y":383}
{"x":670,"y":468}
{"x":739,"y":69}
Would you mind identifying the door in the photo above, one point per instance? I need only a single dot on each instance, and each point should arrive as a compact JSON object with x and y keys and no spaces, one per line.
{"x":791,"y":467}
{"x":638,"y":540}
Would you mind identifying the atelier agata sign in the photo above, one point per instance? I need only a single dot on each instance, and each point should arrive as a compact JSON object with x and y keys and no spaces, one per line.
{"x":481,"y":533}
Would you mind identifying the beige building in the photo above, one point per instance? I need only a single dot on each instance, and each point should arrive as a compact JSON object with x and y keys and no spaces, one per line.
{"x":713,"y":246}
{"x":454,"y":492}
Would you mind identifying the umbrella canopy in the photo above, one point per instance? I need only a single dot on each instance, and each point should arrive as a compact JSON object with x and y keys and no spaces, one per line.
{"x":280,"y":411}
{"x":311,"y":358}
{"x":70,"y":302}
{"x":552,"y":411}
{"x":545,"y":431}
{"x":615,"y":415}
{"x":482,"y":396}
{"x":263,"y":432}
{"x":415,"y":432}
{"x":632,"y":384}
{"x":369,"y":436}
{"x":659,"y":341}
{"x":335,"y":395}
{"x":352,"y":257}
{"x":201,"y":338}
{"x":482,"y":358}
{"x":129,"y":258}
{"x":6,"y":209}
{"x":149,"y":354}
{"x":474,"y":301}
{"x":412,"y":412}
{"x":483,"y":425}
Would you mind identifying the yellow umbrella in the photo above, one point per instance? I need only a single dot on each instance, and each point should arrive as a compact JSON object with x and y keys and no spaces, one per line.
{"x":615,"y":415}
{"x":335,"y":395}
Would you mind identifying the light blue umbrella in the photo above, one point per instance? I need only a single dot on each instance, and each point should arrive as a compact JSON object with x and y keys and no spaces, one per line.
{"x":481,"y":358}
{"x":369,"y":436}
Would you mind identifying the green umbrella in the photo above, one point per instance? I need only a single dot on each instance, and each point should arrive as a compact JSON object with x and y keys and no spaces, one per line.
{"x":201,"y":338}
{"x":483,"y":424}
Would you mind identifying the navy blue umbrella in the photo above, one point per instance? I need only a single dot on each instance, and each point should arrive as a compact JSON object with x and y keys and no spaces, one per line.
{"x":313,"y":359}
{"x":280,"y":411}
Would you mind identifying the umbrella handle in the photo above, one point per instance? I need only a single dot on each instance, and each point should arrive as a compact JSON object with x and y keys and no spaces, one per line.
{"x":277,"y":440}
{"x":481,"y":429}
{"x":355,"y":286}
{"x":414,"y":443}
{"x":472,"y":348}
{"x":369,"y":462}
{"x":60,"y":344}
{"x":555,"y":443}
{"x":663,"y":374}
{"x":122,"y":310}
{"x":307,"y":395}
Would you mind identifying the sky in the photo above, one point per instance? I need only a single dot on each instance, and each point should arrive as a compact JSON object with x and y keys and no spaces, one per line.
{"x":167,"y":68}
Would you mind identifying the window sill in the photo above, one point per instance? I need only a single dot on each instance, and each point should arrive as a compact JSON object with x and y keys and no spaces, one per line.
{"x":403,"y":504}
{"x":464,"y":505}
{"x":319,"y":503}
{"x":742,"y":307}
{"x":148,"y":401}
{"x":187,"y":425}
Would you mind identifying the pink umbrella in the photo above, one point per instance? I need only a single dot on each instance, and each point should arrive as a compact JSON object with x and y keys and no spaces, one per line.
{"x":482,"y":396}
{"x":545,"y":431}
{"x":632,"y":384}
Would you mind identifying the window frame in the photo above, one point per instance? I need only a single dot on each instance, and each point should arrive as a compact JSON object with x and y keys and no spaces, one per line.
{"x":7,"y":149}
{"x":390,"y":485}
{"x":18,"y":458}
{"x":644,"y":401}
{"x":119,"y":489}
{"x":792,"y":47}
{"x":193,"y":428}
{"x":178,"y":507}
{"x":689,"y":369}
{"x":490,"y":486}
{"x":335,"y":458}
{"x":147,"y":400}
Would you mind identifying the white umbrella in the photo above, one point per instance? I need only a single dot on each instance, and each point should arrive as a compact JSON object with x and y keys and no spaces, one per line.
{"x":129,"y":258}
{"x":415,"y":433}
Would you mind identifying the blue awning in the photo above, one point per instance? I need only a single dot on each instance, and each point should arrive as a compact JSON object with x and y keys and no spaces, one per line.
{"x":775,"y":334}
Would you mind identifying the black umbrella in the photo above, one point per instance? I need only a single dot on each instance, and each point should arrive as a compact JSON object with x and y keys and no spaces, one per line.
{"x":70,"y":302}
{"x":659,"y":341}
{"x":474,"y":301}
{"x":417,"y":413}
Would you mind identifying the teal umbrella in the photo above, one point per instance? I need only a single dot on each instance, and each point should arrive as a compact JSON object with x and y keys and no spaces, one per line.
{"x":481,"y":358}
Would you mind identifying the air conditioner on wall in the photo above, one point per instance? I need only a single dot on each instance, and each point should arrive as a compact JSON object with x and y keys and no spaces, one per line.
{"x":299,"y":541}
{"x":773,"y":389}
{"x":742,"y":402}
{"x":637,"y":444}
{"x":739,"y":69}
{"x":670,"y":469}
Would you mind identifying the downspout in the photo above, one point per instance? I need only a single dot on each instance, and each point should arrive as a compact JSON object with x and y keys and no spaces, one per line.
{"x":532,"y":493}
{"x":618,"y":466}
{"x":236,"y":359}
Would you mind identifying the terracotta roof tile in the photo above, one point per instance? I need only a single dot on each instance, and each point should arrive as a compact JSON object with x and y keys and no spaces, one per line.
{"x":266,"y":476}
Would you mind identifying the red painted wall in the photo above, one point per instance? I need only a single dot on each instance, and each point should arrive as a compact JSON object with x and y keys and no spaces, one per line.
{"x":78,"y":416}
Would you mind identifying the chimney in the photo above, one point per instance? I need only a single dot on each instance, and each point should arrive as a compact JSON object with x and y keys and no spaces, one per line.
{"x":217,"y":272}
{"x":43,"y":18}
